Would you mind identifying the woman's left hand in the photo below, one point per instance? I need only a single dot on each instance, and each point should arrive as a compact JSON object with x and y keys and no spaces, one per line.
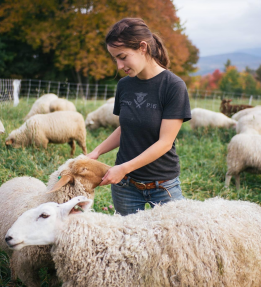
{"x":114,"y":175}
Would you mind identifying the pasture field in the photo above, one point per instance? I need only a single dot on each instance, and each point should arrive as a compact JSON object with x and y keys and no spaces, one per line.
{"x":202,"y":156}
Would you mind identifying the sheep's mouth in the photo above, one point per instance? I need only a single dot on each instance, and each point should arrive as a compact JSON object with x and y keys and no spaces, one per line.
{"x":14,"y":245}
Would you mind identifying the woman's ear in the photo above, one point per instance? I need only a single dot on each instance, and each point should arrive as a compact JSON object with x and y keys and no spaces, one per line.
{"x":143,"y":46}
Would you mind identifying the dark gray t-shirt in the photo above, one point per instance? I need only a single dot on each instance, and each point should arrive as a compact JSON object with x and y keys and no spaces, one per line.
{"x":141,"y":106}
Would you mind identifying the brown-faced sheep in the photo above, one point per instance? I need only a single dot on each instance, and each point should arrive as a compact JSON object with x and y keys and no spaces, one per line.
{"x":230,"y":110}
{"x":182,"y":243}
{"x":57,"y":127}
{"x":78,"y":176}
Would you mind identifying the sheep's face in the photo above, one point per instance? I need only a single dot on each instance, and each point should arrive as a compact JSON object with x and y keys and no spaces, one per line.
{"x":38,"y":226}
{"x":90,"y":123}
{"x":87,"y":171}
{"x":13,"y":140}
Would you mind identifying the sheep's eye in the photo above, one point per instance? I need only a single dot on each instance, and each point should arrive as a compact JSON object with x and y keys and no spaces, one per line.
{"x":84,"y":169}
{"x":44,"y":215}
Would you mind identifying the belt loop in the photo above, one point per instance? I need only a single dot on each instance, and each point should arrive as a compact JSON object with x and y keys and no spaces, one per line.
{"x":128,"y":180}
{"x":157,"y":184}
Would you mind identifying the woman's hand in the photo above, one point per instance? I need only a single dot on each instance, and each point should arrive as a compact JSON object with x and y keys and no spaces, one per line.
{"x":93,"y":155}
{"x":114,"y":175}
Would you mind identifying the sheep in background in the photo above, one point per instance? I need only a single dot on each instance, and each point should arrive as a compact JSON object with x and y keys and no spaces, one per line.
{"x":61,"y":105}
{"x":78,"y":176}
{"x":57,"y":127}
{"x":2,"y":129}
{"x":103,"y":116}
{"x":250,"y":124}
{"x":41,"y":106}
{"x":182,"y":243}
{"x":237,"y":116}
{"x":230,"y":110}
{"x":205,"y":118}
{"x":110,"y":100}
{"x":244,"y":154}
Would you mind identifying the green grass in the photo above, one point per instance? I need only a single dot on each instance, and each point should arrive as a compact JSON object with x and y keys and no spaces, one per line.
{"x":202,"y":156}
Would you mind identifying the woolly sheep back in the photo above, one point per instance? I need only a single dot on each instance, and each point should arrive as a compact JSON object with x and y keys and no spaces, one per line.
{"x":182,"y":243}
{"x":41,"y":105}
{"x":2,"y":129}
{"x":237,"y":116}
{"x":203,"y":118}
{"x":250,"y":124}
{"x":62,"y":105}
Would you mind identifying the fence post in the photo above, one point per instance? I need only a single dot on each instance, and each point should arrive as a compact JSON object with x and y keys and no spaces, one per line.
{"x":77,"y":92}
{"x":105,"y":93}
{"x":49,"y":84}
{"x":39,"y":87}
{"x":96,"y":93}
{"x":250,"y":100}
{"x":29,"y":89}
{"x":68,"y":89}
{"x":58,"y":90}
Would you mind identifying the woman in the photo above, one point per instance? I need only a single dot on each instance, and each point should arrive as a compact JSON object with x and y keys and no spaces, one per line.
{"x":152,"y":103}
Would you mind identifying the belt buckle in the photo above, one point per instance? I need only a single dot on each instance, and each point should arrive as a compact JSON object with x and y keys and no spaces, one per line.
{"x":140,"y":185}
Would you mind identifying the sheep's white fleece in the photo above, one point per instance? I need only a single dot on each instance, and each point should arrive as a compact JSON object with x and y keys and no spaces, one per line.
{"x":237,"y":116}
{"x":182,"y":243}
{"x":2,"y":129}
{"x":42,"y":105}
{"x":22,"y":193}
{"x":204,"y":118}
{"x":57,"y":127}
{"x":103,"y":116}
{"x":244,"y":154}
{"x":62,"y":105}
{"x":250,"y":124}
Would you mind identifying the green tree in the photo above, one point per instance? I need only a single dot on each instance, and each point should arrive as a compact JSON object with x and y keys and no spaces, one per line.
{"x":258,"y":74}
{"x":227,"y":64}
{"x":250,"y":85}
{"x":230,"y":81}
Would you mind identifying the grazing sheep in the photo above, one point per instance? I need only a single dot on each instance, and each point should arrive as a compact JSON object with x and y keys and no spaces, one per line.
{"x":2,"y":129}
{"x":250,"y":124}
{"x":57,"y":127}
{"x":103,"y":116}
{"x":182,"y":243}
{"x":79,"y":176}
{"x":237,"y":116}
{"x":62,"y":105}
{"x":230,"y":110}
{"x":205,"y":118}
{"x":41,"y":106}
{"x":244,"y":154}
{"x":110,"y":100}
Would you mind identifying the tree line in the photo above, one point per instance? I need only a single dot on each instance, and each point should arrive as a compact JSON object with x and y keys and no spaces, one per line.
{"x":64,"y":40}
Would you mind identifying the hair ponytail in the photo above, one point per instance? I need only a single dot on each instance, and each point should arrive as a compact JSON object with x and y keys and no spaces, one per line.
{"x":129,"y":32}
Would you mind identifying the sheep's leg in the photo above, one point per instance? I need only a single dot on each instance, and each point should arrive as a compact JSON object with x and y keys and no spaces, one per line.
{"x":73,"y":147}
{"x":82,"y":145}
{"x":237,"y":177}
{"x":227,"y":181}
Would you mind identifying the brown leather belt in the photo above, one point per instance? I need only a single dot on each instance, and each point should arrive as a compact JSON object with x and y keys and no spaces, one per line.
{"x":143,"y":186}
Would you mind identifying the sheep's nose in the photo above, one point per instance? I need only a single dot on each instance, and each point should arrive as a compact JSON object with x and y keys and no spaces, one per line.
{"x":8,"y":238}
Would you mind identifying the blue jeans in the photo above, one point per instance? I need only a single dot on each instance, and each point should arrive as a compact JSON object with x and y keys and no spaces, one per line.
{"x":128,"y":199}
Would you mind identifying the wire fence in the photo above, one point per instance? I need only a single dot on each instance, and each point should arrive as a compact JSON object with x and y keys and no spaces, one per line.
{"x":36,"y":88}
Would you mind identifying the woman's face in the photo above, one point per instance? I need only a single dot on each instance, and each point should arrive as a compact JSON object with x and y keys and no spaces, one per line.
{"x":132,"y":62}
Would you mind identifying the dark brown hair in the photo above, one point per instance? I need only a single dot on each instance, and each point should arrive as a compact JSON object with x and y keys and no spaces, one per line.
{"x":129,"y":32}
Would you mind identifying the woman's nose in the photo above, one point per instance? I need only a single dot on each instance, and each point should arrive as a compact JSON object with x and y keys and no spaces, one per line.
{"x":120,"y":64}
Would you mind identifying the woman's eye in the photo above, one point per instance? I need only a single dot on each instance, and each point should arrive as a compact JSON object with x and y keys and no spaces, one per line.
{"x":123,"y":58}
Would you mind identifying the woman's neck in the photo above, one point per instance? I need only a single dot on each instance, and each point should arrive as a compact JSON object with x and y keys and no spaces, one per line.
{"x":151,"y":70}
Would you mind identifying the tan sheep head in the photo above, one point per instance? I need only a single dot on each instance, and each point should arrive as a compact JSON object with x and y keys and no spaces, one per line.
{"x":87,"y":171}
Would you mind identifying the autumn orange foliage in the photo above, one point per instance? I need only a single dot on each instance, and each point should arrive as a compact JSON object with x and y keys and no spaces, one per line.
{"x":76,"y":30}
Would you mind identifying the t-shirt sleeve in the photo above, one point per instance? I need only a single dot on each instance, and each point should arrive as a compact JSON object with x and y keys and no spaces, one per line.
{"x":116,"y":110}
{"x":176,"y":102}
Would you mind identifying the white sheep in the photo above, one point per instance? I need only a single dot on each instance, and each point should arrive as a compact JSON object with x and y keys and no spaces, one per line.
{"x":237,"y":116}
{"x":57,"y":127}
{"x":204,"y":118}
{"x":103,"y":116}
{"x":182,"y":243}
{"x":78,"y":176}
{"x":61,"y":105}
{"x":250,"y":124}
{"x":2,"y":129}
{"x":110,"y":100}
{"x":244,"y":154}
{"x":41,"y":105}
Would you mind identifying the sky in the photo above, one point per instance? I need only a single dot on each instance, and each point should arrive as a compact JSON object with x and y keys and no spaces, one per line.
{"x":221,"y":26}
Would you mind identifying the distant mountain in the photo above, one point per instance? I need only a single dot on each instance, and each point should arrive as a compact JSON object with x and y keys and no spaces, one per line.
{"x":209,"y":64}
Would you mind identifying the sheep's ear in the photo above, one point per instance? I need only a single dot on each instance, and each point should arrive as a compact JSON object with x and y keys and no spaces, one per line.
{"x":77,"y":204}
{"x":9,"y":142}
{"x":62,"y":182}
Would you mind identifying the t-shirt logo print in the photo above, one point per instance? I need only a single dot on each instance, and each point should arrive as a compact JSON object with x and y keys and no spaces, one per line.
{"x":140,"y":99}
